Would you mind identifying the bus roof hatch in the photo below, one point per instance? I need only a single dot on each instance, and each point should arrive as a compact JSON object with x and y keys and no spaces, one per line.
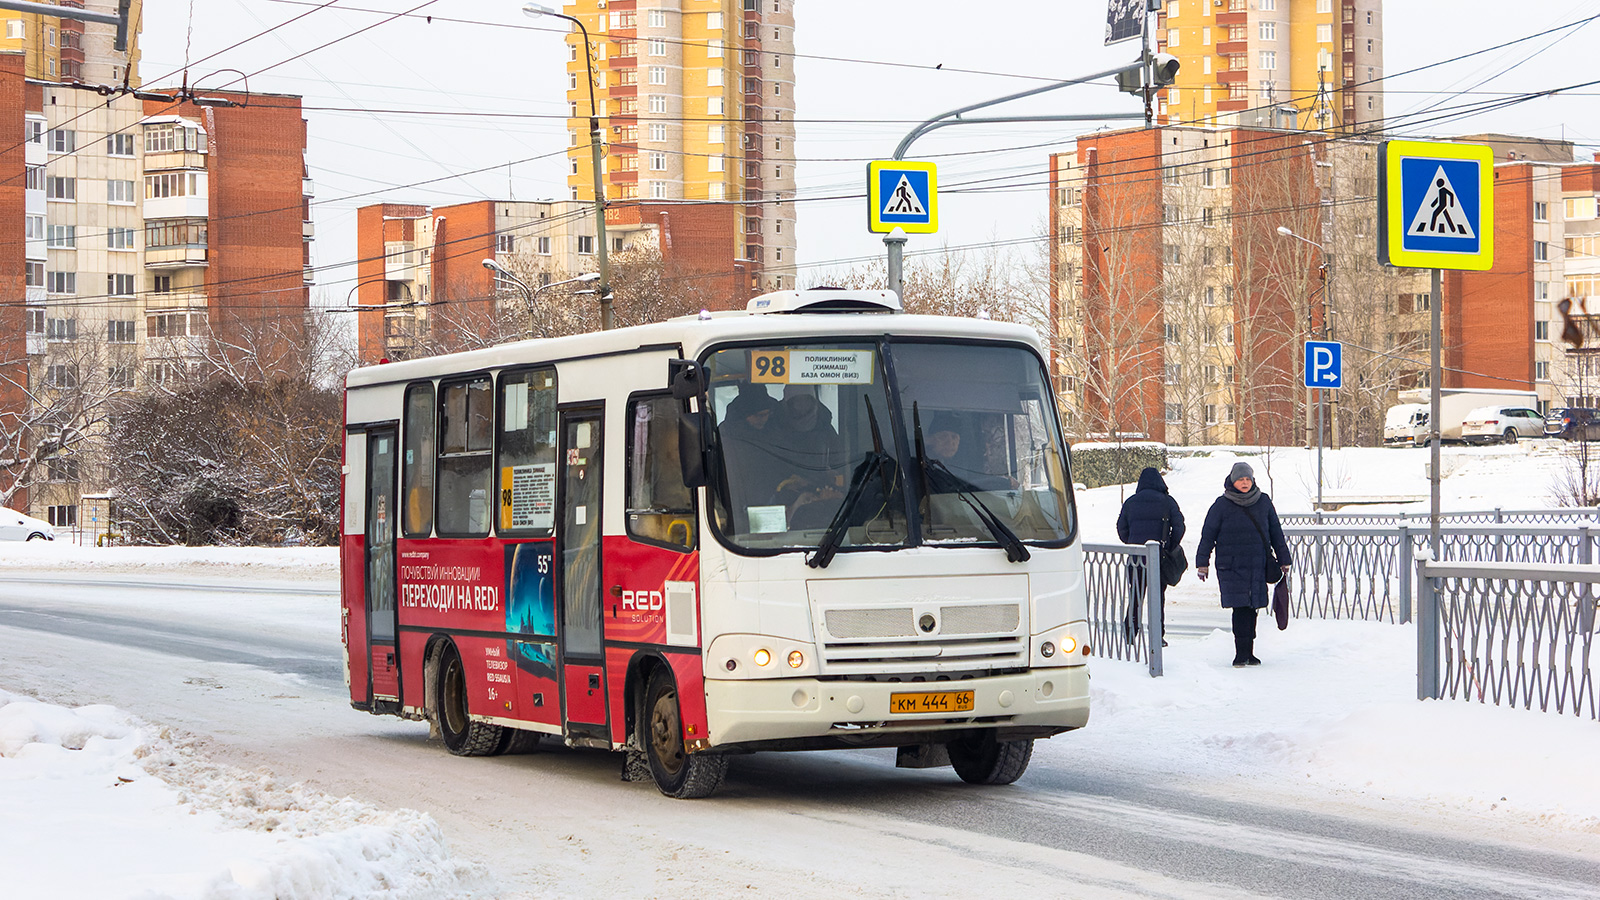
{"x":826,"y":300}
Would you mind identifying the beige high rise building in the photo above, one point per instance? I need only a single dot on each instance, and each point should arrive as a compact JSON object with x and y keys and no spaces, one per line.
{"x":696,"y":103}
{"x":1309,"y":64}
{"x":68,"y":50}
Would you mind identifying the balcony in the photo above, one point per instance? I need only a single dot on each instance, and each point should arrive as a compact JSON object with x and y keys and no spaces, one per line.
{"x":308,"y":230}
{"x":36,"y":344}
{"x":175,"y":256}
{"x":310,"y":275}
{"x":1232,"y":48}
{"x":308,"y":188}
{"x":1224,"y":19}
{"x":190,"y":207}
{"x":1234,"y":76}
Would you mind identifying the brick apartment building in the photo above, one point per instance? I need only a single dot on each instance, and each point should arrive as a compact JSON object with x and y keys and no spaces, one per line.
{"x":139,"y":228}
{"x":1180,"y":310}
{"x":696,"y":102}
{"x":422,"y":267}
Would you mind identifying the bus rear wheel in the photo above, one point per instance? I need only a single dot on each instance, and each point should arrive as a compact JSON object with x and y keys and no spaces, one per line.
{"x":677,"y":772}
{"x":462,"y":735}
{"x":981,"y":759}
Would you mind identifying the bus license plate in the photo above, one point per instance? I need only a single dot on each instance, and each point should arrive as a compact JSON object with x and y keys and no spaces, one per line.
{"x":931,"y":702}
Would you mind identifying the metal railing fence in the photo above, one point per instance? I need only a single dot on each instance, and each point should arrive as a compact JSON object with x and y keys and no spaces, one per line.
{"x":1508,"y":634}
{"x":1123,"y":582}
{"x":1496,"y":516}
{"x":1368,"y":573}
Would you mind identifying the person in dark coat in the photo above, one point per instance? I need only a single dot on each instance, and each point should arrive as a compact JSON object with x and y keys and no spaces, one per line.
{"x":1150,"y":515}
{"x":1239,"y":526}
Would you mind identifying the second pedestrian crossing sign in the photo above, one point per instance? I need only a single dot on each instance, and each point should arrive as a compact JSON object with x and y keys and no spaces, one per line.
{"x":1436,"y":205}
{"x":902,"y":194}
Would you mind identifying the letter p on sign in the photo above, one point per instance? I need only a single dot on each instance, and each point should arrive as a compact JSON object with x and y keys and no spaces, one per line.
{"x":1324,"y":364}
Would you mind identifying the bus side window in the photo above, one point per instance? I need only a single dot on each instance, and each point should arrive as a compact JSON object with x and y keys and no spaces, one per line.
{"x":660,"y":506}
{"x":466,"y":422}
{"x":416,"y":465}
{"x":526,"y":483}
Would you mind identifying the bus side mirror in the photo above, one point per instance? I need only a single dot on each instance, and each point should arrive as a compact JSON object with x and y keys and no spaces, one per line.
{"x":686,"y":379}
{"x":692,"y":448}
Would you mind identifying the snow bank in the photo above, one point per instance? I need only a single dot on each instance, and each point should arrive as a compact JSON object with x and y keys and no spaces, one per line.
{"x":100,"y":804}
{"x":286,"y":563}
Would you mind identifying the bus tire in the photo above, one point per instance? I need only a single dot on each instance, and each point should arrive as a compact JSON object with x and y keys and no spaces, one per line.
{"x":980,"y":759}
{"x":462,"y":736}
{"x":519,"y":741}
{"x":677,"y":773}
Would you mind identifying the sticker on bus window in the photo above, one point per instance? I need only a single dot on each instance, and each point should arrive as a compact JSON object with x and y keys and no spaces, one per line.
{"x":528,"y":496}
{"x":811,"y":366}
{"x":767,"y":519}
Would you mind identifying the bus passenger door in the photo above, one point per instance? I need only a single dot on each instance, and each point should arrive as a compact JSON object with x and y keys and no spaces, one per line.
{"x":382,"y":519}
{"x":578,"y":548}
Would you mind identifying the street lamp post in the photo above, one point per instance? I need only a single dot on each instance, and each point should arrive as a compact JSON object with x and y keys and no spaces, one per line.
{"x":528,"y":294}
{"x":536,"y":10}
{"x":1327,"y":285}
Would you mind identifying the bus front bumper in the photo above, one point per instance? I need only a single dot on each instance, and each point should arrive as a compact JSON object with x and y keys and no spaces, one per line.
{"x":752,"y":712}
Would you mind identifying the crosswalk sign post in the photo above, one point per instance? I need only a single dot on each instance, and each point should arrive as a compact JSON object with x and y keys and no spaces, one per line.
{"x":902,"y":194}
{"x":1435,"y":211}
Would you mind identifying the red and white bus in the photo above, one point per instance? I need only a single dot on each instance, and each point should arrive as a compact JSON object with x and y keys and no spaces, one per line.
{"x":816,"y":523}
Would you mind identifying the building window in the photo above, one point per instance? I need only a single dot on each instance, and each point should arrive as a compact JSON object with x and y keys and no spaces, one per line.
{"x":119,"y":285}
{"x":34,"y":178}
{"x":658,"y":74}
{"x":658,"y":132}
{"x":714,"y":164}
{"x":62,"y":282}
{"x":1172,"y":37}
{"x":16,"y":30}
{"x":175,"y":233}
{"x":714,"y":48}
{"x":1541,"y":290}
{"x":1541,"y":330}
{"x":1173,"y":373}
{"x":505,"y":243}
{"x":658,"y":47}
{"x":1269,"y":31}
{"x":62,"y":141}
{"x":172,"y":184}
{"x":1211,"y":414}
{"x":120,"y":376}
{"x":1324,"y":6}
{"x":716,"y":190}
{"x":34,"y":274}
{"x":658,"y":19}
{"x":1211,"y":295}
{"x":119,"y":239}
{"x":1172,"y":254}
{"x":1541,"y":211}
{"x":1541,"y":251}
{"x":657,"y":103}
{"x":542,"y":245}
{"x":33,"y":228}
{"x":1267,"y":5}
{"x":1269,"y":60}
{"x":1174,"y":413}
{"x":1227,"y":333}
{"x":714,"y":106}
{"x":716,"y":134}
{"x":61,"y":329}
{"x":119,"y":331}
{"x":1170,"y":332}
{"x":57,"y":187}
{"x":1541,"y":370}
{"x":658,"y":161}
{"x":161,"y":284}
{"x":171,"y":137}
{"x":658,"y":190}
{"x":586,"y":244}
{"x":119,"y":191}
{"x":62,"y":237}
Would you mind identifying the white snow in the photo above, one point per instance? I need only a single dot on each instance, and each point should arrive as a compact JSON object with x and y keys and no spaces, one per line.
{"x":99,"y":803}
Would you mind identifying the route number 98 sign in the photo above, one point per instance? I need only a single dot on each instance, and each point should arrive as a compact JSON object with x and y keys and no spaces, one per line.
{"x":811,"y":366}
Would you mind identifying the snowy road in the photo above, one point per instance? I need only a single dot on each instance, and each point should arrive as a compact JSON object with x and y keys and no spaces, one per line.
{"x":254,"y":668}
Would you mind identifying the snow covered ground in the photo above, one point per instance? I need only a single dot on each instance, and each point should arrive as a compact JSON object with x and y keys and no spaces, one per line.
{"x":99,"y":803}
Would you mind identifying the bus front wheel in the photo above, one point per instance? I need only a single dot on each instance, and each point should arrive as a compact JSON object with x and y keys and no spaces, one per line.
{"x":462,"y":735}
{"x":981,"y":759}
{"x":677,"y":773}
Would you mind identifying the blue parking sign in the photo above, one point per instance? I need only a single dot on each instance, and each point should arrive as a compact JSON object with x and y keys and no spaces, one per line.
{"x":1324,"y":364}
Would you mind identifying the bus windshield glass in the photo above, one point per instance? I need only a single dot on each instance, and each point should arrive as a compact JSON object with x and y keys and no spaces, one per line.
{"x":814,"y":437}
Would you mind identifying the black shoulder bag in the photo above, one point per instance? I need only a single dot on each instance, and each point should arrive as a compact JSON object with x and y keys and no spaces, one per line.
{"x":1173,"y":561}
{"x":1274,"y":571}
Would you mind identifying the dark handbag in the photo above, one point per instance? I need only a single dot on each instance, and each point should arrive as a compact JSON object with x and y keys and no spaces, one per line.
{"x":1274,"y":571}
{"x":1173,"y":560}
{"x":1280,"y":603}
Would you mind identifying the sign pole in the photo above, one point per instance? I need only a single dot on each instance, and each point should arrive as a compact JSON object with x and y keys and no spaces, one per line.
{"x":1319,"y":449}
{"x":1434,"y":377}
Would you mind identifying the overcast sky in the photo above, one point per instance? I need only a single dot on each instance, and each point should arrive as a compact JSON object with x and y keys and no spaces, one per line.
{"x":865,"y":77}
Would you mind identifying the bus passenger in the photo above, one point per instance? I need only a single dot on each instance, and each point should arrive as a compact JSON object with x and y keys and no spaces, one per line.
{"x":747,"y":435}
{"x":814,"y":454}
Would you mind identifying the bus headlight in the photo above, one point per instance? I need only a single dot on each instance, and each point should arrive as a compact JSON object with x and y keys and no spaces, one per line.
{"x":747,"y":656}
{"x":1062,"y":646}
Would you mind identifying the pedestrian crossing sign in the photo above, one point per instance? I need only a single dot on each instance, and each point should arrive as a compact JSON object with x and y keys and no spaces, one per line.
{"x":1436,"y":205}
{"x":902,"y":194}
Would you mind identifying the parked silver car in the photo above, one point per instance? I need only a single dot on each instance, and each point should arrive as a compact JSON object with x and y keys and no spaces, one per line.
{"x":1492,"y":424}
{"x":15,"y":526}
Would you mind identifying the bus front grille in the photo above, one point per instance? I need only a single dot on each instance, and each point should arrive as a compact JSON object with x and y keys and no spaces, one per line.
{"x":921,"y":639}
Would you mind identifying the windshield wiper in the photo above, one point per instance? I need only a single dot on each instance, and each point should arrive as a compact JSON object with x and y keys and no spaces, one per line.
{"x":829,"y":545}
{"x":1016,"y":551}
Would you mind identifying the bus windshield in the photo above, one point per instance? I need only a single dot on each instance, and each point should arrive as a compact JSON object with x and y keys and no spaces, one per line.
{"x":960,"y":447}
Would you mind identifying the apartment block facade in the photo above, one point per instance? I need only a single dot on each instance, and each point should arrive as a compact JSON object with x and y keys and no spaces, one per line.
{"x":67,"y":50}
{"x":141,"y":230}
{"x":696,"y":103}
{"x":1307,"y":64}
{"x":421,"y":268}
